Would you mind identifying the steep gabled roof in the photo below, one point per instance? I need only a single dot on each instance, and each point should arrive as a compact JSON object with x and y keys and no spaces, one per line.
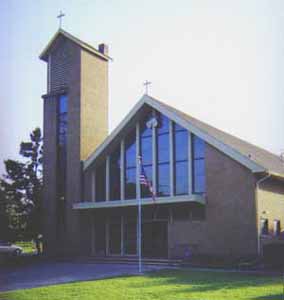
{"x":251,"y":156}
{"x":61,"y":32}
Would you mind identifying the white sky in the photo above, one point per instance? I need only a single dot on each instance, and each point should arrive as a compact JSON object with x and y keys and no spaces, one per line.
{"x":221,"y":61}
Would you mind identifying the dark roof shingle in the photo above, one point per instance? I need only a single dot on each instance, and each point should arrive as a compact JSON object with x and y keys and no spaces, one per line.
{"x":271,"y":162}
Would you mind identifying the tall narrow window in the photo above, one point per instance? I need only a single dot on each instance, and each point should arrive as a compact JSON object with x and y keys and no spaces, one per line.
{"x":115,"y":175}
{"x":130,"y":166}
{"x":146,"y":153}
{"x":62,"y":145}
{"x":198,"y":163}
{"x":101,"y":182}
{"x":180,"y":160}
{"x":163,"y":157}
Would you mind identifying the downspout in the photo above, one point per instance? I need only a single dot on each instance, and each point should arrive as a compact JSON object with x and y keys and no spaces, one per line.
{"x":257,"y":185}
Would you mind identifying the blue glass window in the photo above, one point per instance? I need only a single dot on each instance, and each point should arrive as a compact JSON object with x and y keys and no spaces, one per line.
{"x":130,"y":166}
{"x":163,"y":156}
{"x":115,"y":175}
{"x":101,"y":182}
{"x":62,"y":144}
{"x":180,"y":160}
{"x":198,"y":151}
{"x":146,"y":153}
{"x":163,"y":179}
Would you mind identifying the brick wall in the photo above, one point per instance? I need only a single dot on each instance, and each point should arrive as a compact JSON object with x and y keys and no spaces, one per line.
{"x":49,"y":175}
{"x":85,"y":78}
{"x":230,"y":225}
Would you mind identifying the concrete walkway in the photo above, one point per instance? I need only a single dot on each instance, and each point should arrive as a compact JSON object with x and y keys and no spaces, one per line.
{"x":49,"y":273}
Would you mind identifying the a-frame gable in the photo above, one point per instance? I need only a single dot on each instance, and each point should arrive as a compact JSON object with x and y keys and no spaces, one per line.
{"x":182,"y":121}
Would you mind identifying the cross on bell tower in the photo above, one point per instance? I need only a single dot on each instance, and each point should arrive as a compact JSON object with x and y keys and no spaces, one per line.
{"x":60,"y":16}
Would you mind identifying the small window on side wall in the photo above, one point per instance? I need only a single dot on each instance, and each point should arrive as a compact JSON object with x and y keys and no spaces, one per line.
{"x":264,"y":226}
{"x":276,"y":228}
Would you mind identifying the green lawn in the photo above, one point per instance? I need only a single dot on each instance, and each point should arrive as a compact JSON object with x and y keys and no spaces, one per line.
{"x":168,"y":285}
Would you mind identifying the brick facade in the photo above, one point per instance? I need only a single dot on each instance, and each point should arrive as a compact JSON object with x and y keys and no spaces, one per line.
{"x":83,"y":77}
{"x":233,"y":206}
{"x":229,"y":228}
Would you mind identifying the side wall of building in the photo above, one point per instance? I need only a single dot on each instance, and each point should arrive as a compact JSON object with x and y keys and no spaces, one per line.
{"x":49,"y":176}
{"x":73,"y":164}
{"x":229,"y":228}
{"x":83,"y":77}
{"x":61,"y":227}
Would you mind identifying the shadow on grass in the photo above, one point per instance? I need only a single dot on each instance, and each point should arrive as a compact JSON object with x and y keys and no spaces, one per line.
{"x":271,"y":297}
{"x":180,"y":284}
{"x":202,"y":282}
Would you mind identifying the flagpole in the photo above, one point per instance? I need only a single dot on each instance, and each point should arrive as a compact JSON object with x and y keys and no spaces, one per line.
{"x":140,"y":235}
{"x":139,"y":223}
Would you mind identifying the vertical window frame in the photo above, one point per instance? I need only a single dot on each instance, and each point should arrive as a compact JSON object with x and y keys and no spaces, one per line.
{"x":177,"y":162}
{"x":195,"y":159}
{"x":163,"y":163}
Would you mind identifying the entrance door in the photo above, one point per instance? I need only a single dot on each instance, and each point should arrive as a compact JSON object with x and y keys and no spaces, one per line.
{"x":155,"y":239}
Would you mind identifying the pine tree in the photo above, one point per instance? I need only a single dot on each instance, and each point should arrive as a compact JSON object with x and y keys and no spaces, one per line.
{"x":22,"y":186}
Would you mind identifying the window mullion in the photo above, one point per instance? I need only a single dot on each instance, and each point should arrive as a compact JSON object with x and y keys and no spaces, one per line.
{"x":93,"y":178}
{"x":122,"y":170}
{"x":154,"y":160}
{"x":108,"y":178}
{"x":171,"y":137}
{"x":138,"y":187}
{"x":190,"y":168}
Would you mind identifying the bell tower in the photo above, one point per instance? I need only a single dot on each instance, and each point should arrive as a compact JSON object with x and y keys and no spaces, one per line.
{"x":75,"y":123}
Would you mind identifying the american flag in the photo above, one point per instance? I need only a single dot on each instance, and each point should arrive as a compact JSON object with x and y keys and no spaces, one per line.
{"x":144,"y":180}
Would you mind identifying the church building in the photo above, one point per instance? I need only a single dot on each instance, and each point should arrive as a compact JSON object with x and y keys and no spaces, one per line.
{"x":209,"y":193}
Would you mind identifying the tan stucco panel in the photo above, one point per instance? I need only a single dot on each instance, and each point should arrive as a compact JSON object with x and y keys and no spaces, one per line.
{"x":94,"y":102}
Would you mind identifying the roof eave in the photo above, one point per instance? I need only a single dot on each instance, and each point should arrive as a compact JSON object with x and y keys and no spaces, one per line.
{"x":44,"y":54}
{"x":277,"y":175}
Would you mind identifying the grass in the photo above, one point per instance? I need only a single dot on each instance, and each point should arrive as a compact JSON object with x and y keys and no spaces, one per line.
{"x":28,"y":246}
{"x":166,"y":285}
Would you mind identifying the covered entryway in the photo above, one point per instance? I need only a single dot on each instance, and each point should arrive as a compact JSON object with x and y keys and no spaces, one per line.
{"x":155,"y":239}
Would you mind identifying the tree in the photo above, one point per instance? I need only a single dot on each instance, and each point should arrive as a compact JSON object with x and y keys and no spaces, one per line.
{"x":22,"y":186}
{"x":5,"y":232}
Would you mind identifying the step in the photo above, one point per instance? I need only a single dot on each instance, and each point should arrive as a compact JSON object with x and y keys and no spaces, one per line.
{"x":131,"y":260}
